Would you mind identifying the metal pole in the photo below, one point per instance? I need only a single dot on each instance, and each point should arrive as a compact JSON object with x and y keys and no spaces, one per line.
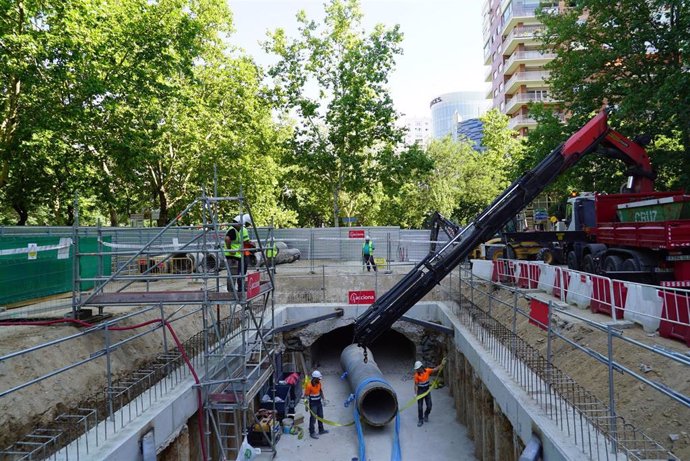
{"x":76,"y":288}
{"x":99,"y":243}
{"x":323,"y":281}
{"x":388,"y":251}
{"x":549,"y":358}
{"x":311,"y":251}
{"x":612,"y":398}
{"x":109,"y":376}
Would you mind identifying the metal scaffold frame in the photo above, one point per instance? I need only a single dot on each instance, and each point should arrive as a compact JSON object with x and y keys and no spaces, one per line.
{"x":238,"y":352}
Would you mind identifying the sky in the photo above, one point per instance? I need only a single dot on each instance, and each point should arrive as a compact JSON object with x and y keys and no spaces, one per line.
{"x":442,"y":43}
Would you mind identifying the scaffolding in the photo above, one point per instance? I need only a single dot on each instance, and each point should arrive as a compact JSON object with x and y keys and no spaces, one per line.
{"x":237,"y":311}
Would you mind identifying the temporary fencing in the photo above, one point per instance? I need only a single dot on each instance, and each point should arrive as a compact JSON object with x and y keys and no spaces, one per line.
{"x":595,"y":426}
{"x":661,"y":309}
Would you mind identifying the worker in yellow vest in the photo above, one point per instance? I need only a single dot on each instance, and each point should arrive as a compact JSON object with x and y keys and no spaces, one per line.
{"x":236,"y":239}
{"x":368,"y":254}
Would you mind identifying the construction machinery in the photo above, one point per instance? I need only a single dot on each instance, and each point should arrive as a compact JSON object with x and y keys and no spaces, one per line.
{"x":595,"y":136}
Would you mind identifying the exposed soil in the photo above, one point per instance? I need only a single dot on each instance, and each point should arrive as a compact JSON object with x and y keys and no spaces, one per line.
{"x":647,"y":409}
{"x":39,"y":404}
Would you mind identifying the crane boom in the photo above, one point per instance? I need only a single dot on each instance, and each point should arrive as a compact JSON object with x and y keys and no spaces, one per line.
{"x":595,"y":135}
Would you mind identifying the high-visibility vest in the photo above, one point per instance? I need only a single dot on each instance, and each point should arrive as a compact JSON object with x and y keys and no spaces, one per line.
{"x":271,"y":250}
{"x":422,"y":378}
{"x":313,"y":391}
{"x":236,"y":244}
{"x":368,"y":248}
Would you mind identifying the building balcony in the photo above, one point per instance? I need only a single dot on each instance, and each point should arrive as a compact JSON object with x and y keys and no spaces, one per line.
{"x":523,"y":35}
{"x":520,"y":122}
{"x":489,"y":74}
{"x":516,"y":102}
{"x":529,"y":58}
{"x":520,"y":15}
{"x":530,"y":79}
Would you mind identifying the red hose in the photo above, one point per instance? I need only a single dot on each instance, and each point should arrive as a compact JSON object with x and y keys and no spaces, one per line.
{"x":178,"y":344}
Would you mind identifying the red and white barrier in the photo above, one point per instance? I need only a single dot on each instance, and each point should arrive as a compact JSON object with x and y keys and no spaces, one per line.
{"x":483,"y":269}
{"x":580,"y":290}
{"x":675,"y":315}
{"x":527,"y":274}
{"x":643,"y":306}
{"x":560,"y":287}
{"x":666,"y":309}
{"x":608,"y":296}
{"x":547,"y":278}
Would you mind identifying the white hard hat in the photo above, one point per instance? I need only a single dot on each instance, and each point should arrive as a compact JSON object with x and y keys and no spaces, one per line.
{"x":244,"y":219}
{"x":417,"y":365}
{"x":316,"y":374}
{"x":367,"y":237}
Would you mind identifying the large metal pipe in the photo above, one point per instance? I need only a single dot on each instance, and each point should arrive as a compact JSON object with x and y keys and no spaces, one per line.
{"x":375,"y":398}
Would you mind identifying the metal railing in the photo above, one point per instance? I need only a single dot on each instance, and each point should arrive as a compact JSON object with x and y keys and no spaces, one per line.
{"x":595,"y":426}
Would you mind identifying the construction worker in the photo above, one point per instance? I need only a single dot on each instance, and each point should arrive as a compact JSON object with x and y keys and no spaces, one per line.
{"x":236,"y":239}
{"x":271,"y":251}
{"x":422,"y":384}
{"x":368,"y":254}
{"x":313,"y":401}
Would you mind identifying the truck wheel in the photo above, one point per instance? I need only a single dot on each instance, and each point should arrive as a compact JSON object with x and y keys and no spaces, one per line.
{"x":545,"y":255}
{"x":588,"y":264}
{"x":613,"y":263}
{"x":572,"y":261}
{"x":631,"y":265}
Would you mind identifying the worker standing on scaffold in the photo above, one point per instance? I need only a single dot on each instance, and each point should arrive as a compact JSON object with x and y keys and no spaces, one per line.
{"x":236,"y":239}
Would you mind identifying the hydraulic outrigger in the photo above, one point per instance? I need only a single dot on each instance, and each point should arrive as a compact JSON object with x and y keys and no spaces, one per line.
{"x":594,"y":136}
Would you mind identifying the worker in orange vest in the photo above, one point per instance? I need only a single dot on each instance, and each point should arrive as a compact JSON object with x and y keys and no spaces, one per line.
{"x":422,"y":384}
{"x":313,"y":400}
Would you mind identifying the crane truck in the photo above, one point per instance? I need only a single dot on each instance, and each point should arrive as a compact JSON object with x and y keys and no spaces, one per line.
{"x":596,"y":136}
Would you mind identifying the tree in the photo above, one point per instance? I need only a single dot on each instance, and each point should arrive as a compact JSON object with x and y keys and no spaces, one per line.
{"x":631,"y":55}
{"x":349,"y":122}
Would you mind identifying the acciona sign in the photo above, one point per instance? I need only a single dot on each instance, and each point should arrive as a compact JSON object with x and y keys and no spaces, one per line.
{"x":361,"y":297}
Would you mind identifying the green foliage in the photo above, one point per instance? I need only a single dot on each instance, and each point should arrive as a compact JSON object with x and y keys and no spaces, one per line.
{"x":130,"y":103}
{"x":348,"y":123}
{"x":632,"y":56}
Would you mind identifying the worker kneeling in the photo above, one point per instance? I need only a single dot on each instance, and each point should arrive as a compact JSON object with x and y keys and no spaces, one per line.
{"x":314,"y":403}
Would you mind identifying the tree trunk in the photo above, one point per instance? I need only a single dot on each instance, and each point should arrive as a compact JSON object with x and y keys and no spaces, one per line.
{"x":113,"y":215}
{"x":70,"y":214}
{"x":336,"y":211}
{"x":163,"y":204}
{"x":22,"y":213}
{"x":10,"y":117}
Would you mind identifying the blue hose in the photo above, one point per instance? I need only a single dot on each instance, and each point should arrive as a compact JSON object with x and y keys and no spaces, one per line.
{"x":395,"y":451}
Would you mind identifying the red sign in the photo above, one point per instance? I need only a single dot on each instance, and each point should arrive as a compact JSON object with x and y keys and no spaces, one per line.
{"x":253,"y":284}
{"x":356,"y":234}
{"x":361,"y":297}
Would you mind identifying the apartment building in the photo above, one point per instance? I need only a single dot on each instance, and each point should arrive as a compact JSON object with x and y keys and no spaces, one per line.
{"x":418,"y":130}
{"x":516,"y":63}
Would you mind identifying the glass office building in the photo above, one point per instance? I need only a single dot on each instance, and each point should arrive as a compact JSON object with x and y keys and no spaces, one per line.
{"x":450,"y":109}
{"x":472,"y":130}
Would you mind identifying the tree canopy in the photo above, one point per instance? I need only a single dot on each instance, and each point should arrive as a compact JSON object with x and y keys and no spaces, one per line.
{"x":631,"y":56}
{"x":334,"y":76}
